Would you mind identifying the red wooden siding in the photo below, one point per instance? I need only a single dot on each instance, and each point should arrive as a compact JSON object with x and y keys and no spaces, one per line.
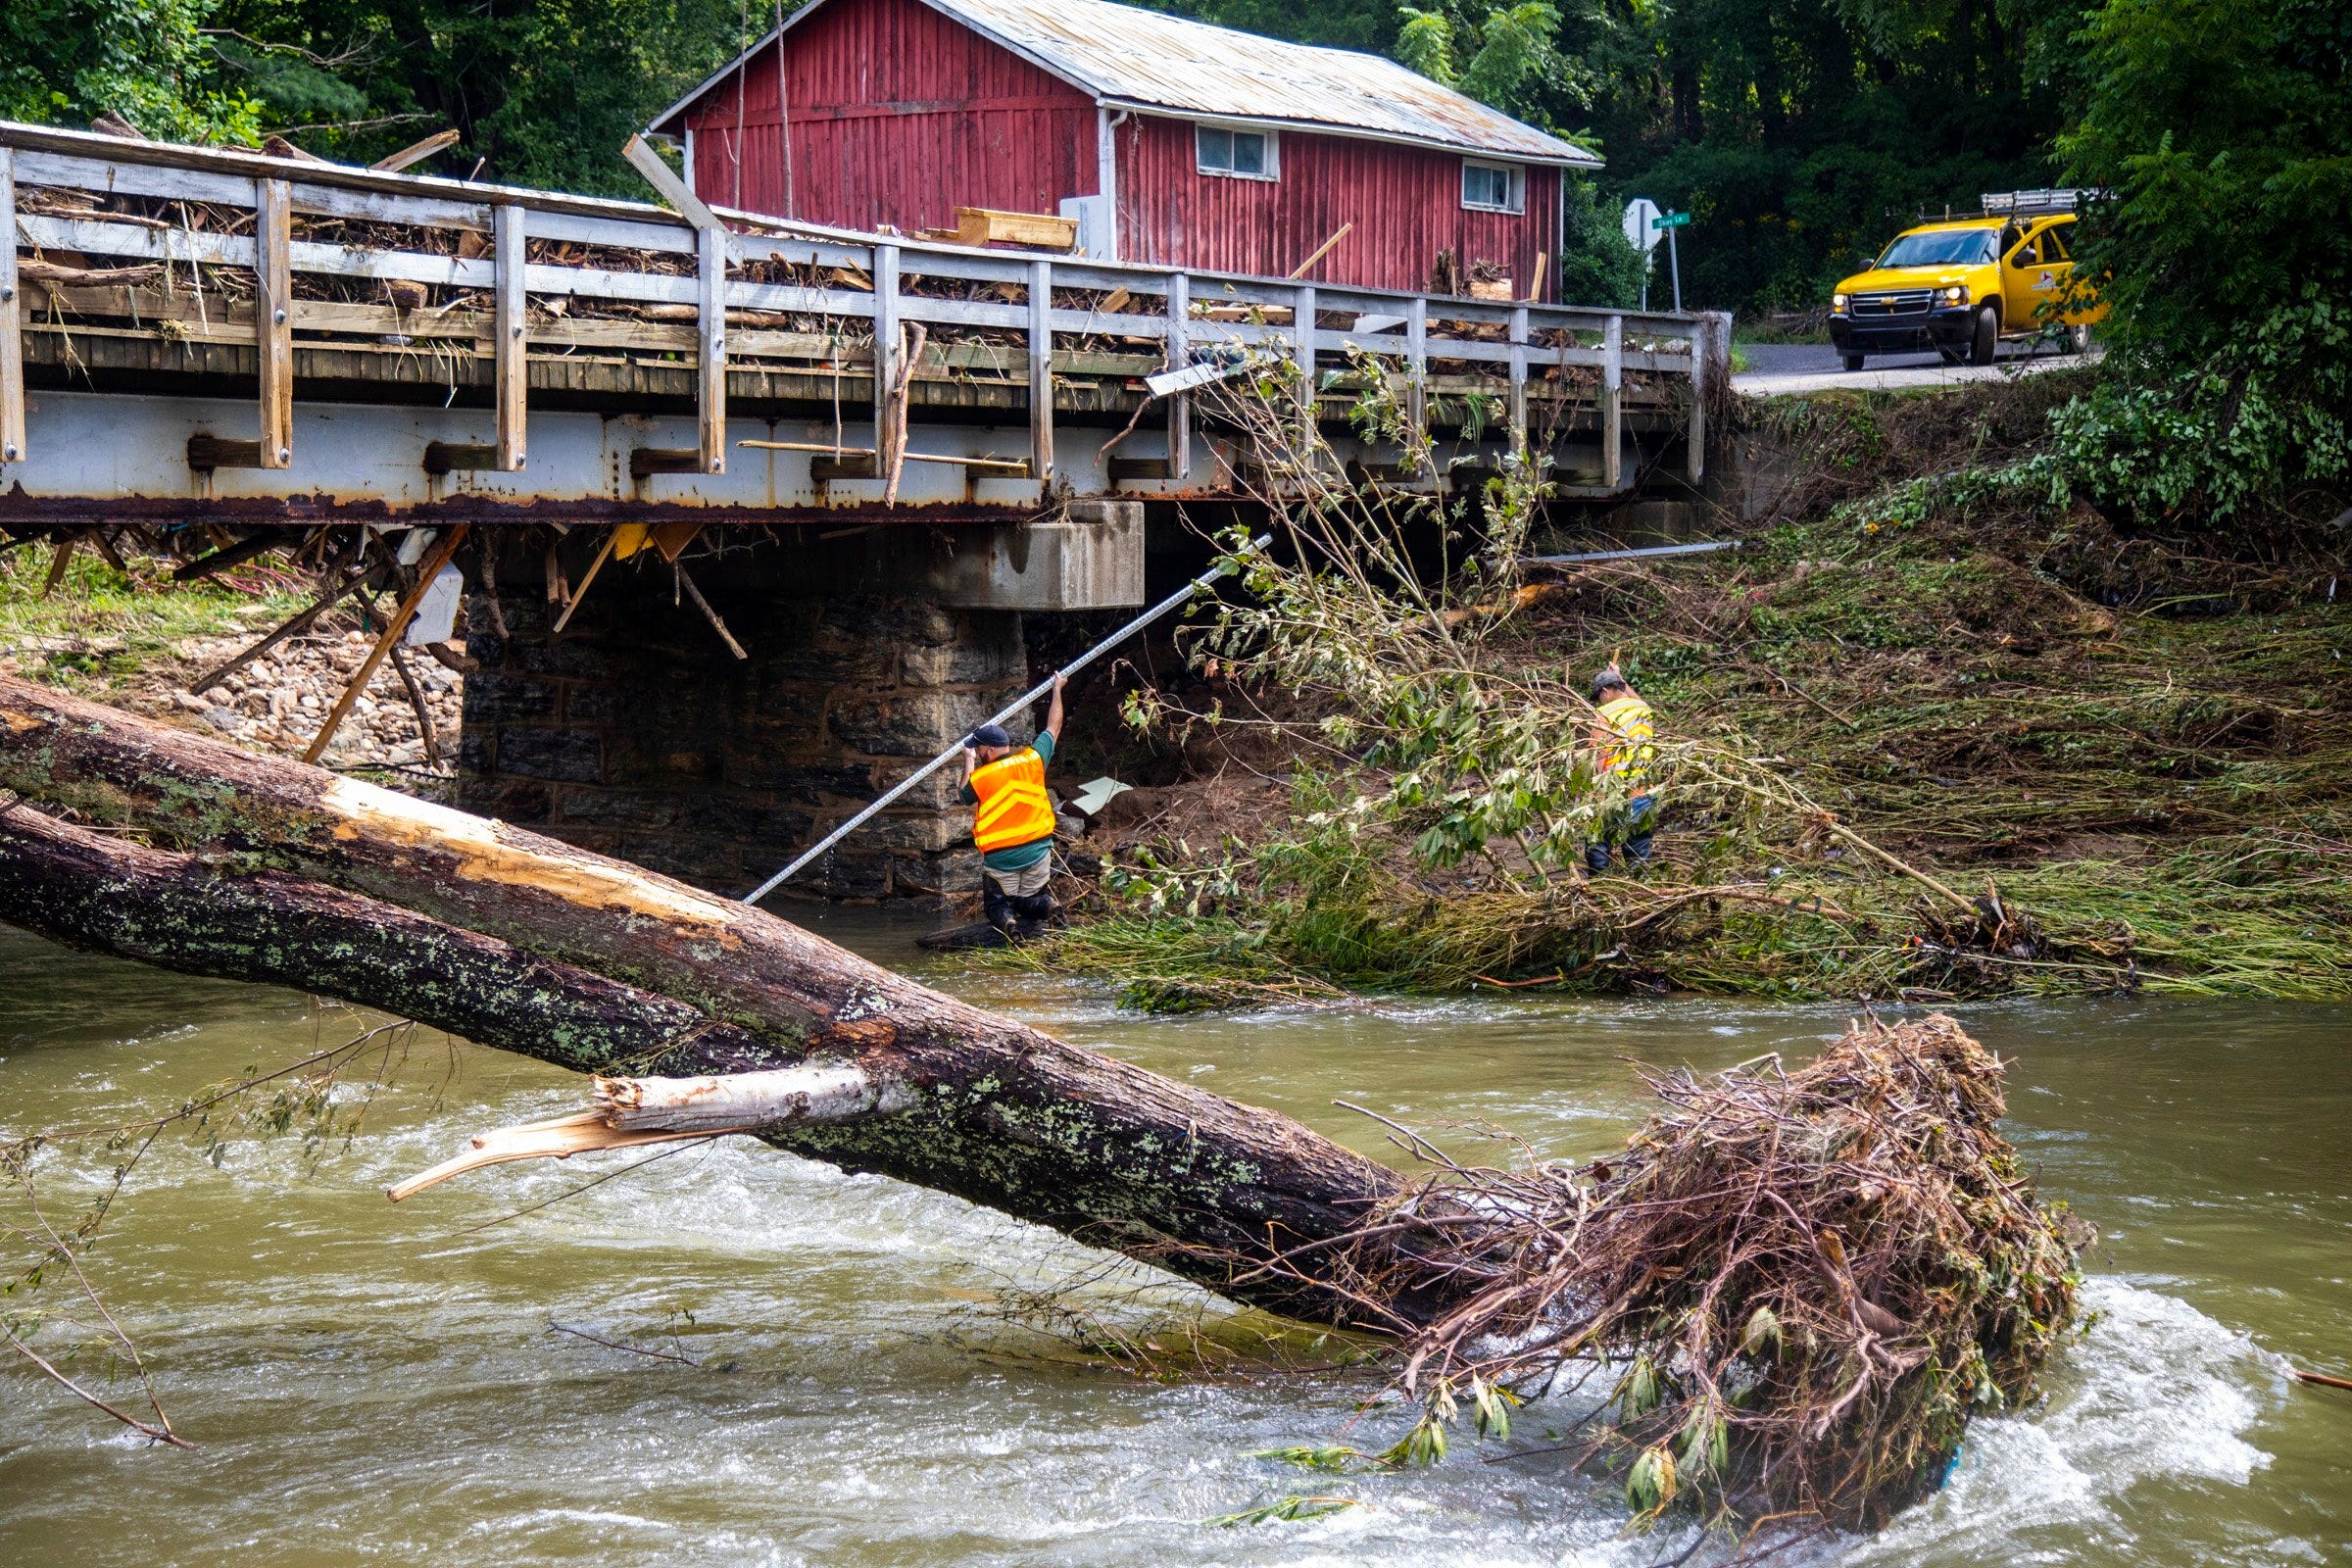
{"x":1406,"y":202}
{"x":899,"y":117}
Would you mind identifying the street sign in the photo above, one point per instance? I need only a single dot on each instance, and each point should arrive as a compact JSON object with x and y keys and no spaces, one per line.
{"x":1640,"y":225}
{"x":1671,"y":219}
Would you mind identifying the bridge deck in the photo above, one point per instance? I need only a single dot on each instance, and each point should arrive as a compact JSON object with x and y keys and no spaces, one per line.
{"x":189,"y":329}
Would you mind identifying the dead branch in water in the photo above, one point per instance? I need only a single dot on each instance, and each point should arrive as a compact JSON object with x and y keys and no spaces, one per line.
{"x":159,"y":1433}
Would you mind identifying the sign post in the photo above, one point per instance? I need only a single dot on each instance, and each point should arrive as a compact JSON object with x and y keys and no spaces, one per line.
{"x":1641,"y":234}
{"x":1670,"y":221}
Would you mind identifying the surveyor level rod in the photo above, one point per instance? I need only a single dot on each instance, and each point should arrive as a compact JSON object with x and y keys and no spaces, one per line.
{"x":1018,"y":704}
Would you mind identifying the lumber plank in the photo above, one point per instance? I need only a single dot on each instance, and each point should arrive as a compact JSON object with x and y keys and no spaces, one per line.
{"x":1180,"y":406}
{"x":1694,"y":443}
{"x":711,"y":356}
{"x":983,"y":225}
{"x":11,"y":315}
{"x":508,"y":331}
{"x":1041,"y":369}
{"x":665,"y":180}
{"x":1612,"y":403}
{"x":887,"y":436}
{"x":274,"y":317}
{"x":1518,"y":403}
{"x":1322,"y":250}
{"x":416,"y":152}
{"x":1416,"y":362}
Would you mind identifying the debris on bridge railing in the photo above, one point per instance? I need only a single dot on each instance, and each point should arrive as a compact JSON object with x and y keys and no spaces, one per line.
{"x":441,"y":283}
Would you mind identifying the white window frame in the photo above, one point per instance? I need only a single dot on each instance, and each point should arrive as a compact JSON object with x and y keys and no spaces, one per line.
{"x":1273,"y":146}
{"x":1517,"y":174}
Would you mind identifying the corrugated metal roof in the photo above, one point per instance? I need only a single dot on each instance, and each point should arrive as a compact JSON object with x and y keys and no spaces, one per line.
{"x":1150,"y":59}
{"x":1129,"y":57}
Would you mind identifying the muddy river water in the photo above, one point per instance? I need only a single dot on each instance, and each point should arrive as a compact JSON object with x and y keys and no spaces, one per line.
{"x":376,"y":1384}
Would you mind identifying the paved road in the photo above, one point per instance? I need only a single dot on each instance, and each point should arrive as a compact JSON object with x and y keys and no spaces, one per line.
{"x":1779,"y":367}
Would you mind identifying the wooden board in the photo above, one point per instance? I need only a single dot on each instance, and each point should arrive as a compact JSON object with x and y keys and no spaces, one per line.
{"x":11,"y":337}
{"x":273,"y":319}
{"x":1040,"y":232}
{"x":512,"y":346}
{"x":711,"y":353}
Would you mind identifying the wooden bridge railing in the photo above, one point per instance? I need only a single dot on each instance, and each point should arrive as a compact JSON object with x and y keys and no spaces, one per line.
{"x":261,"y":197}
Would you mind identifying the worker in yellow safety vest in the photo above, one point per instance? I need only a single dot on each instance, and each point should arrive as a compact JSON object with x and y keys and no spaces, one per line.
{"x":1013,"y":822}
{"x":1622,"y":736}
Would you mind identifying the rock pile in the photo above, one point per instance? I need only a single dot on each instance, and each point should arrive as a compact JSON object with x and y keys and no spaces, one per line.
{"x":277,"y":702}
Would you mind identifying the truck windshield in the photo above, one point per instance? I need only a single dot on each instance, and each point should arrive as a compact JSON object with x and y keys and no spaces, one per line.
{"x":1949,"y":247}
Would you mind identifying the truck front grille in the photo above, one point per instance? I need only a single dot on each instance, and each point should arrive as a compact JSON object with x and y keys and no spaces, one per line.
{"x":1891,"y":303}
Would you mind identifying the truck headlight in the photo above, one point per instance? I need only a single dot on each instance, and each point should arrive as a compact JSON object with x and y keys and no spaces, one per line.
{"x":1957,"y":294}
{"x":1837,"y":302}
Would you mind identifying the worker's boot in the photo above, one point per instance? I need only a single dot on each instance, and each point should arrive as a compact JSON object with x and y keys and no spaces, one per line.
{"x":1033,"y":914}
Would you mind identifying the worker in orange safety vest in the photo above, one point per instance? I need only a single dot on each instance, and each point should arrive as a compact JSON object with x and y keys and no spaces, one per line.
{"x":1013,"y":822}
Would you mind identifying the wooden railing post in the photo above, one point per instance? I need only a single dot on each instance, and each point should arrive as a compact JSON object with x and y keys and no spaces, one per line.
{"x":512,"y":352}
{"x":1302,"y":338}
{"x":1180,"y":406}
{"x":1696,"y":442}
{"x":886,"y":354}
{"x":1612,"y":403}
{"x":12,"y":320}
{"x":710,"y":350}
{"x":273,"y":317}
{"x":1041,"y":371}
{"x":1416,"y":358}
{"x":1518,"y":372}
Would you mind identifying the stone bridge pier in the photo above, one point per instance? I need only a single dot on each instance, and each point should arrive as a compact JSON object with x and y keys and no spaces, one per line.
{"x":635,"y":731}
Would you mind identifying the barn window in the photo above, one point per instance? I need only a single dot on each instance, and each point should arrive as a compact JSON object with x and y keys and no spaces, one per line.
{"x":1494,"y":187}
{"x":1222,"y":150}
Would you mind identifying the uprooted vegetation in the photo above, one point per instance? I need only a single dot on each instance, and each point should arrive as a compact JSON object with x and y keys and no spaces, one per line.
{"x":1782,"y":1303}
{"x":1934,"y":734}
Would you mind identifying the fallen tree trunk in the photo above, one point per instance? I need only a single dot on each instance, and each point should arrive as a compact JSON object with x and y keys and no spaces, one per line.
{"x":271,"y":871}
{"x":1812,"y":1280}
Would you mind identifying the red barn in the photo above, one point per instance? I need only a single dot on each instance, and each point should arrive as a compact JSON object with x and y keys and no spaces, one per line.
{"x":1173,"y":143}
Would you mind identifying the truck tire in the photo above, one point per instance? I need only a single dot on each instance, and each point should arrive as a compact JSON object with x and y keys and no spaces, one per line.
{"x":1987,"y":340}
{"x":1853,"y":362}
{"x":2077,"y":340}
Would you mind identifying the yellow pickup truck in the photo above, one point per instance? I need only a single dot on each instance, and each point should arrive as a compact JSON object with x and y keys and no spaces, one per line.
{"x":1963,"y":284}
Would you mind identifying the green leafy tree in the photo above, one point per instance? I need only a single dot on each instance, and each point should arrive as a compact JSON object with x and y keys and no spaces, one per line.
{"x":1505,"y":58}
{"x":2224,"y":128}
{"x":1597,"y":264}
{"x":542,"y":92}
{"x":148,"y":61}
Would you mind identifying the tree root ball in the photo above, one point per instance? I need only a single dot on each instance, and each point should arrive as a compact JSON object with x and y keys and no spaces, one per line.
{"x":1804,"y":1284}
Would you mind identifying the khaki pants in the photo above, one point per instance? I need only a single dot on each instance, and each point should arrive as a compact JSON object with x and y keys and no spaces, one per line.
{"x":1025,"y":883}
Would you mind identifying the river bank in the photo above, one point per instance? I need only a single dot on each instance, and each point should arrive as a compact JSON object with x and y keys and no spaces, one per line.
{"x":2125,"y":752}
{"x":131,"y":637}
